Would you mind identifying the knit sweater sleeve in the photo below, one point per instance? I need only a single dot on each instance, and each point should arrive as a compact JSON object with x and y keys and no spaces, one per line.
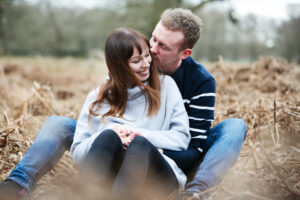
{"x":84,"y":129}
{"x":176,"y":136}
{"x":201,"y":113}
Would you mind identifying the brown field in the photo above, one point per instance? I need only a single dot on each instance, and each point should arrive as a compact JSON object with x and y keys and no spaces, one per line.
{"x":264,"y":93}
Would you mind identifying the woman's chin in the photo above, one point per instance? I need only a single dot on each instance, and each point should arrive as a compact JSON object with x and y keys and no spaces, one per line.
{"x":143,"y":77}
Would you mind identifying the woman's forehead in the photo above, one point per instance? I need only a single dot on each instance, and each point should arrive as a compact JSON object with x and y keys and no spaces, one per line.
{"x":143,"y":46}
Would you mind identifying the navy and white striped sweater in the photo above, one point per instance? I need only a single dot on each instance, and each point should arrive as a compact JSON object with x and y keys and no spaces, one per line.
{"x":198,"y":88}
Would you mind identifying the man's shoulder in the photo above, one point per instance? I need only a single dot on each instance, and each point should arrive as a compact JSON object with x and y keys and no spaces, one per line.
{"x":196,"y":70}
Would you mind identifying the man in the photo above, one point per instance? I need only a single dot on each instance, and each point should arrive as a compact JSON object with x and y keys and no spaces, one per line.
{"x":171,"y":45}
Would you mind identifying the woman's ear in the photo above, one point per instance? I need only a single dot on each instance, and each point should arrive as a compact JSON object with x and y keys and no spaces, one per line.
{"x":185,"y":53}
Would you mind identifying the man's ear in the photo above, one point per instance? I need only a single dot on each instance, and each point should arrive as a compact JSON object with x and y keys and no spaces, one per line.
{"x":186,"y":53}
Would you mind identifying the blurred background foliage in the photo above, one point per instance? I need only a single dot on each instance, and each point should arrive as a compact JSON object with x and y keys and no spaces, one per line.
{"x":41,"y":27}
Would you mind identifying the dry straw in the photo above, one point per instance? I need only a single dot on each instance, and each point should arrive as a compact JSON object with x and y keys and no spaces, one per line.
{"x":264,"y":93}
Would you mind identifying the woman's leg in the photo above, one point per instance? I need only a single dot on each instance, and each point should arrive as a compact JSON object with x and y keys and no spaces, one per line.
{"x":104,"y":159}
{"x":144,"y":172}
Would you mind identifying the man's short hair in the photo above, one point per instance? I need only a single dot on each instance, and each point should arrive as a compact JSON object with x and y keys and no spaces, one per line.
{"x":179,"y":19}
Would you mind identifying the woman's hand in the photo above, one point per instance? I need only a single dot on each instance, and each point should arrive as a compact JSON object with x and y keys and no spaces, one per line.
{"x":126,"y":133}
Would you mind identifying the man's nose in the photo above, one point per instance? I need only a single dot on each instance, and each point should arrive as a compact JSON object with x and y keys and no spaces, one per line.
{"x":154,"y":48}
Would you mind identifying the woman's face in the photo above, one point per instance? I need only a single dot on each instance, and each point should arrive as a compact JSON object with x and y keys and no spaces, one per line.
{"x":140,"y":63}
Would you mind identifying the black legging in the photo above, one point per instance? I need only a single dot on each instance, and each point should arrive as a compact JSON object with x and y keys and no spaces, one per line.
{"x":139,"y":172}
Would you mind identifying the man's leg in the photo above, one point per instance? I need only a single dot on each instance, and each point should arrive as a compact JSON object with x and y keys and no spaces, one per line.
{"x":223,"y":147}
{"x":54,"y":138}
{"x":185,"y":160}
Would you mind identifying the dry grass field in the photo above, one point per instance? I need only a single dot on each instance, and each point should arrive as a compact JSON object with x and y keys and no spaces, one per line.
{"x":265,"y":93}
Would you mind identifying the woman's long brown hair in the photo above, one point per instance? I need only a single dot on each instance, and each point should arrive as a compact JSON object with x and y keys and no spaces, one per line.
{"x":119,"y":48}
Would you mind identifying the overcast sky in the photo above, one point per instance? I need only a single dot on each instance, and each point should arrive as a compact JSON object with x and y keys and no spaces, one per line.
{"x":275,"y":9}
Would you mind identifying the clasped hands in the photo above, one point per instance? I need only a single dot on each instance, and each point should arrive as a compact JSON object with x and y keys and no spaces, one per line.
{"x":126,"y":133}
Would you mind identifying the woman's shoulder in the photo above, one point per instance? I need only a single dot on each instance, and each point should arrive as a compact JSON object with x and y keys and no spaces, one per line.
{"x":166,"y":81}
{"x":169,"y":88}
{"x":93,"y":94}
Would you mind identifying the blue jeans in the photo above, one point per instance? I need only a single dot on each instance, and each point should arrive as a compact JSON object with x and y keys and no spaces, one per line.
{"x":221,"y":151}
{"x":52,"y":141}
{"x":56,"y":136}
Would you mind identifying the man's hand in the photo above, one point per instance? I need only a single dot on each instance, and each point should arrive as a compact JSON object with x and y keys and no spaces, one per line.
{"x":126,"y":133}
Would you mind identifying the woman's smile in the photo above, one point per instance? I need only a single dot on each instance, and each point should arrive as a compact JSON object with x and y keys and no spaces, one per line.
{"x":144,"y":73}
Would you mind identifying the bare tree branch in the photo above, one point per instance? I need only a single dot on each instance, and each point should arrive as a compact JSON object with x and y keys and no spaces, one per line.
{"x":202,"y":4}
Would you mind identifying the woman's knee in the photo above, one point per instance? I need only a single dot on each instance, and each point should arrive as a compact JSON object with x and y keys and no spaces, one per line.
{"x":108,"y":137}
{"x":140,"y":146}
{"x":105,"y":147}
{"x":140,"y":142}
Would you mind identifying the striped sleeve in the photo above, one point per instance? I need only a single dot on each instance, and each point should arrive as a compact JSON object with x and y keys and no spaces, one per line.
{"x":201,"y":109}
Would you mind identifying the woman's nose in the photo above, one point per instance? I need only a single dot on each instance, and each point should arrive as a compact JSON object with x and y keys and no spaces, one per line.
{"x":147,"y":62}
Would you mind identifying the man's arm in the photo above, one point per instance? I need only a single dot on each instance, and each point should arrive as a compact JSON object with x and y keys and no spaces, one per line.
{"x":201,"y":113}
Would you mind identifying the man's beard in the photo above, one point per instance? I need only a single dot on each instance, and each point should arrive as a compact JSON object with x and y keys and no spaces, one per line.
{"x":165,"y":67}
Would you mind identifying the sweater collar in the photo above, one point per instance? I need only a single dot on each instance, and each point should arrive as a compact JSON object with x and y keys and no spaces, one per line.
{"x":136,"y":91}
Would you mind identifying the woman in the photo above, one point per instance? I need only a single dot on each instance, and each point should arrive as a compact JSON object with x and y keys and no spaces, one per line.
{"x":123,"y":124}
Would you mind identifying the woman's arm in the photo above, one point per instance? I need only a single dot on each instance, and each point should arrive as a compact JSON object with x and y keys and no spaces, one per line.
{"x":83,"y":134}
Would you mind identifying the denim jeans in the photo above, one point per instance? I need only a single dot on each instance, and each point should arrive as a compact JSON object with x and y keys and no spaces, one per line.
{"x":56,"y":136}
{"x":52,"y":141}
{"x":221,"y":151}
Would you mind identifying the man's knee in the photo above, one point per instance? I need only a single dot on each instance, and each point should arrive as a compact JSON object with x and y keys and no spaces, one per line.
{"x":235,"y":127}
{"x":61,"y":121}
{"x":59,"y":126}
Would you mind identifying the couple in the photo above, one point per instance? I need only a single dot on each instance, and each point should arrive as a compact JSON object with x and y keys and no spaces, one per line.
{"x":180,"y":148}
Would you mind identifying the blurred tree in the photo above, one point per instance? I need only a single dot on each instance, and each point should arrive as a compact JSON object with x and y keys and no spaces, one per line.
{"x":212,"y":42}
{"x":200,"y":5}
{"x":144,"y":14}
{"x":56,"y":27}
{"x":240,"y":41}
{"x":4,"y":4}
{"x":29,"y":28}
{"x":288,"y":39}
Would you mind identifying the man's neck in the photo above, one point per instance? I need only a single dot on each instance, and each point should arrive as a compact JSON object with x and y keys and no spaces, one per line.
{"x":176,"y":66}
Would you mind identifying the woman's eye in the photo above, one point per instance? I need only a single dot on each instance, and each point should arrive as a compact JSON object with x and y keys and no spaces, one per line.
{"x":147,"y":54}
{"x":136,"y":61}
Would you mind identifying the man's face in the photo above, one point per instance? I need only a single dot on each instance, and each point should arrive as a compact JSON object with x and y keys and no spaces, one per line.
{"x":164,"y":45}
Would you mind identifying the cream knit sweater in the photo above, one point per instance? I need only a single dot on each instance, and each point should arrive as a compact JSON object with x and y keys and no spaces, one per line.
{"x":168,"y":129}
